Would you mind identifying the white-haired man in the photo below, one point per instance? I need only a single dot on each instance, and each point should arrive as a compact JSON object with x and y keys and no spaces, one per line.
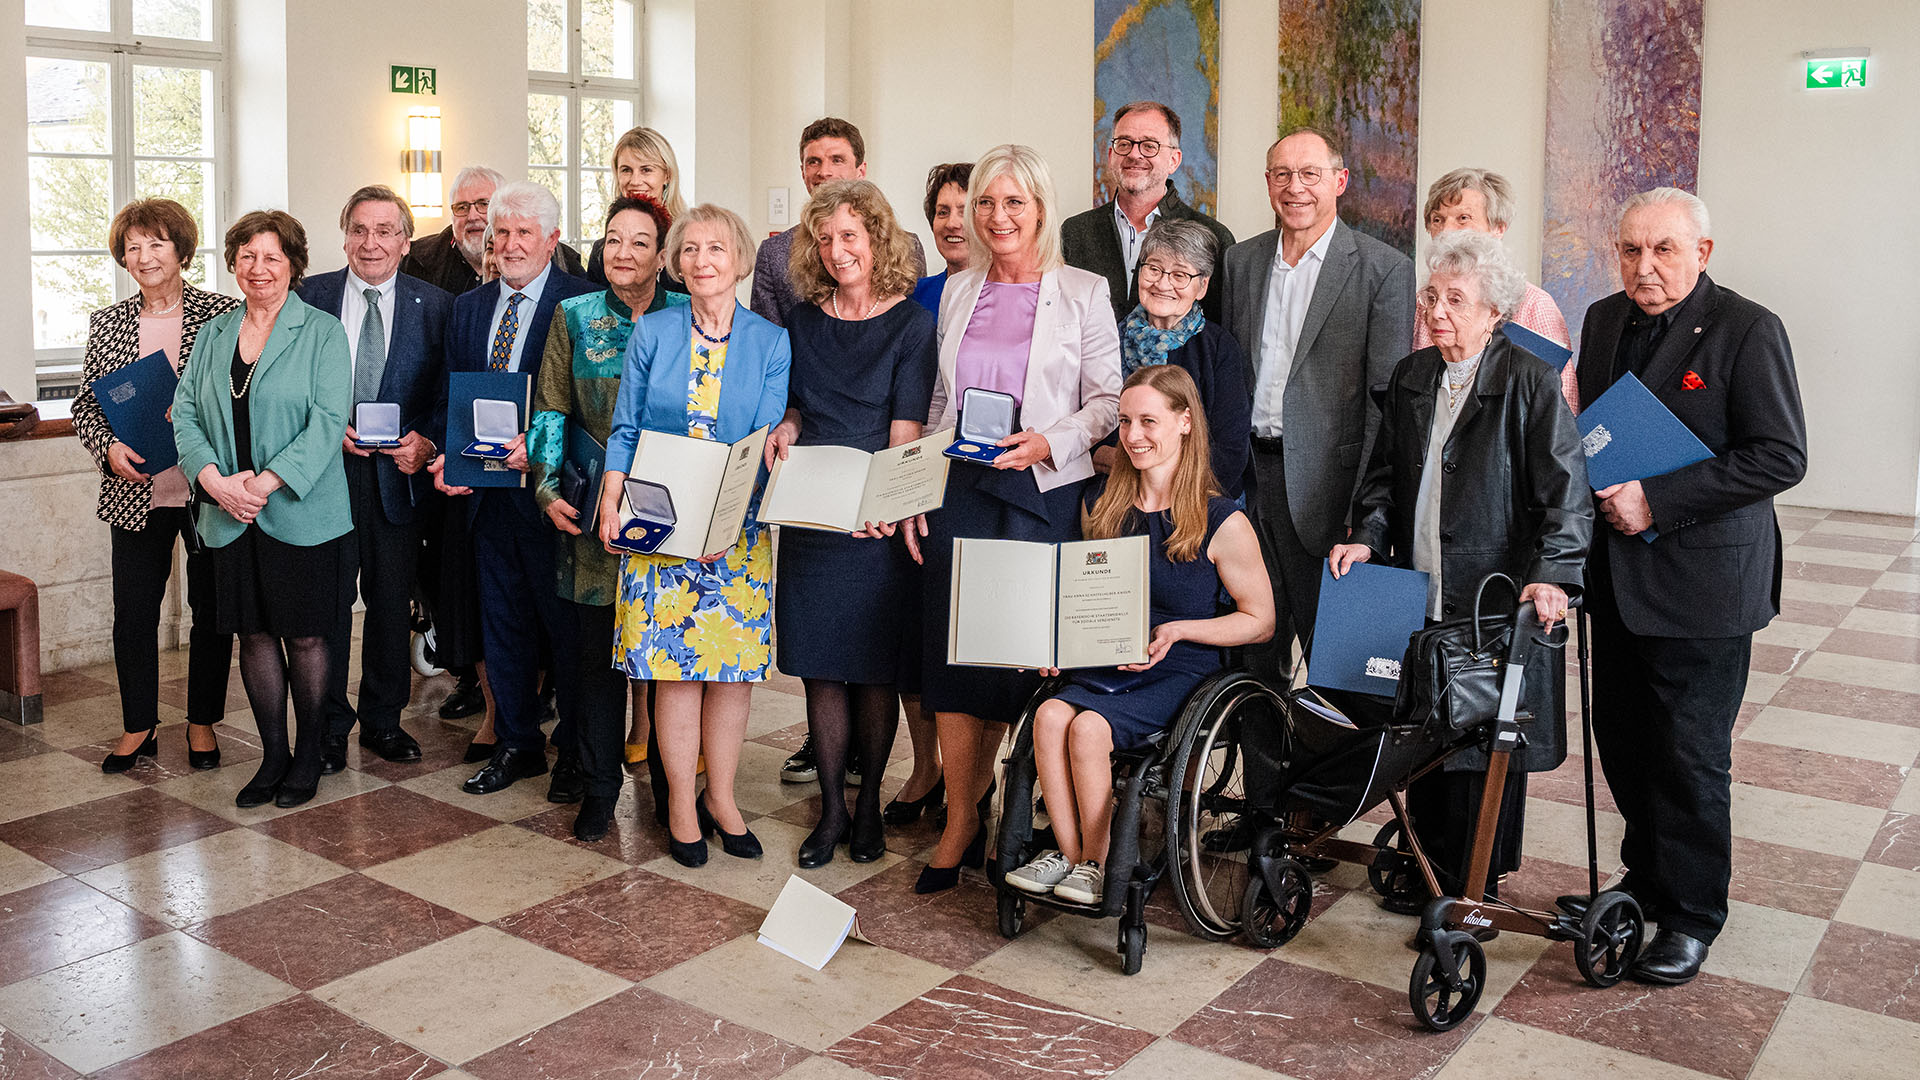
{"x":1673,"y":620}
{"x":454,"y":257}
{"x":503,"y":327}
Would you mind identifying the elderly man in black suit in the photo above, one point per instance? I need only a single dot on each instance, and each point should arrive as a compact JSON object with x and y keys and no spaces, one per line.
{"x":1673,"y":620}
{"x":1143,"y":153}
{"x":396,"y":329}
{"x":1324,"y":314}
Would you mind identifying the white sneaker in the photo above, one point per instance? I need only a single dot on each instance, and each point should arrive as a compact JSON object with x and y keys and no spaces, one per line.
{"x":1084,"y":884}
{"x":1042,"y":874}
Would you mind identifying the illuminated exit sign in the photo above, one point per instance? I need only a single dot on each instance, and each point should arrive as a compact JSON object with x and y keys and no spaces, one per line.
{"x":1836,"y":69}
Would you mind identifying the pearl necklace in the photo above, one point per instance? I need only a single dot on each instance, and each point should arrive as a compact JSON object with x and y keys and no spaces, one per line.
{"x":835,"y":300}
{"x":244,"y":383}
{"x":156,"y":314}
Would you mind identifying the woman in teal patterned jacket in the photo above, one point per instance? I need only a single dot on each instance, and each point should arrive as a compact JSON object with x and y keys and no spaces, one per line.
{"x":579,"y":381}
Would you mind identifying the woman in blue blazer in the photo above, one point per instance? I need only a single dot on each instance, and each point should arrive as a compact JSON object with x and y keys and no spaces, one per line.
{"x":700,"y":628}
{"x":259,"y":423}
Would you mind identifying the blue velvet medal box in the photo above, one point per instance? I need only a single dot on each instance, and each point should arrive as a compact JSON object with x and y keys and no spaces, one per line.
{"x":649,"y":518}
{"x":495,"y":424}
{"x":376,"y":425}
{"x":986,"y":417}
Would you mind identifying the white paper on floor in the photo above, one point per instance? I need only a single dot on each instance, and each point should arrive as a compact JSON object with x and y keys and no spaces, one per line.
{"x":809,"y":924}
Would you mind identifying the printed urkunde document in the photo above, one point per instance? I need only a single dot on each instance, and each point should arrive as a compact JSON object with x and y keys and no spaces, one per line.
{"x":840,"y":488}
{"x":711,"y":484}
{"x":1030,"y":605}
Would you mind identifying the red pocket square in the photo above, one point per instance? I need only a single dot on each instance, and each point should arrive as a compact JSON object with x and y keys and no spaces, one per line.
{"x":1691,"y":381}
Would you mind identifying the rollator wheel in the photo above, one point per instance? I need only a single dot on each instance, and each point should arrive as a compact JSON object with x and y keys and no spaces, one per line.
{"x":1610,"y":937}
{"x":1439,"y":1006}
{"x":1271,"y":921}
{"x":1013,"y":915}
{"x":1133,"y":946}
{"x":422,"y":653}
{"x":1393,"y":869}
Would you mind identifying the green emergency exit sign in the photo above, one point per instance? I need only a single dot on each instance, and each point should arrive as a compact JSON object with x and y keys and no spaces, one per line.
{"x":1837,"y":73}
{"x":413,"y":80}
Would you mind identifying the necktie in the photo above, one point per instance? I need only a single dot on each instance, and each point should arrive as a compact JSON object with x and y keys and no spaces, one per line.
{"x":370,"y":358}
{"x":501,"y":359}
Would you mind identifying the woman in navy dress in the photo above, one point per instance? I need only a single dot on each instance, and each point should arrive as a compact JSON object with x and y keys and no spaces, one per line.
{"x":862,"y":376}
{"x":1162,"y":486}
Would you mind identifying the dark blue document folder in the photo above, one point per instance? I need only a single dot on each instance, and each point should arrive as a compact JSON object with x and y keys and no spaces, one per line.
{"x":463,"y":388}
{"x":1360,"y":632}
{"x":1629,"y":435}
{"x":135,"y":401}
{"x":1543,"y":347}
{"x":580,"y":475}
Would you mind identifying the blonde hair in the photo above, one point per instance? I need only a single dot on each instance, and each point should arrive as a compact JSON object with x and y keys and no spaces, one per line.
{"x":1193,"y":481}
{"x":739,"y":240}
{"x":1029,"y":171}
{"x":892,"y":273}
{"x":652,"y":146}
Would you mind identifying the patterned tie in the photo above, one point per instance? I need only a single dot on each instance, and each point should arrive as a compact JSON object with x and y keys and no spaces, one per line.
{"x":370,"y":359}
{"x":501,"y":359}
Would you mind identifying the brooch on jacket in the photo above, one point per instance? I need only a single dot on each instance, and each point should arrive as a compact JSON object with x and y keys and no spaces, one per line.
{"x":1691,"y":381}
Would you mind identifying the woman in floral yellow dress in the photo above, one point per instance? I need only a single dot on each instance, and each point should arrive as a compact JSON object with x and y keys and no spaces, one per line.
{"x":701,"y":629}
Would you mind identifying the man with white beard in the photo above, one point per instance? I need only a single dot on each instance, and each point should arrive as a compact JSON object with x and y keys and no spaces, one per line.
{"x":452,"y":258}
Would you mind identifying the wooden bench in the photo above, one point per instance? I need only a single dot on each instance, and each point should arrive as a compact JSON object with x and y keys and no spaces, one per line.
{"x":19,"y":649}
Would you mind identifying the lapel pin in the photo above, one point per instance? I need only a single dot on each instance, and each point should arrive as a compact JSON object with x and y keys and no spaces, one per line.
{"x":1696,"y":329}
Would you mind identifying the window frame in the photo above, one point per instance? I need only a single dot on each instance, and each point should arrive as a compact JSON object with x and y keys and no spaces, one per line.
{"x":576,"y":88}
{"x":121,"y":50}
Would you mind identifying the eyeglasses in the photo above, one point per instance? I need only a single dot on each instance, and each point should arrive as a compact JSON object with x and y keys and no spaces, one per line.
{"x":382,"y":232}
{"x":1148,"y":147}
{"x":461,"y":209}
{"x":1308,"y":176}
{"x":1152,"y":272}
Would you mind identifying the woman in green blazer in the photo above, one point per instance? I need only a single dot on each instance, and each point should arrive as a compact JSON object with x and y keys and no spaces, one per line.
{"x":259,"y":424}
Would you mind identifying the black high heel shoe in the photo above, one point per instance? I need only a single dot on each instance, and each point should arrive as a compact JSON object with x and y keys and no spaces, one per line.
{"x":119,"y":763}
{"x":908,"y":811}
{"x":688,"y":855}
{"x":202,"y":759}
{"x":743,"y":845}
{"x":868,"y":840}
{"x":261,"y":789}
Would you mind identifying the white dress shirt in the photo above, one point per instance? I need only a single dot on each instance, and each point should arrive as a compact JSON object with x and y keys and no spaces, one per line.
{"x":1131,"y":237}
{"x":353,"y":312}
{"x":1289,"y":292}
{"x":533,"y":290}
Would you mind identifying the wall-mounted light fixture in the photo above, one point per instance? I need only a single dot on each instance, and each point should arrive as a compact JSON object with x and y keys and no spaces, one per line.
{"x":421,"y":161}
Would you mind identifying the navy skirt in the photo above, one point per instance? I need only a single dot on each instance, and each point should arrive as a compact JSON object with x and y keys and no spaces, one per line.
{"x":1000,"y":504}
{"x":839,"y":606}
{"x":1136,"y":714}
{"x":264,"y":586}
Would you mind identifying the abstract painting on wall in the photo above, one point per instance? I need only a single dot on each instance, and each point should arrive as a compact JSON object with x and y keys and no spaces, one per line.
{"x":1352,"y":67}
{"x":1623,"y":115}
{"x":1166,"y":51}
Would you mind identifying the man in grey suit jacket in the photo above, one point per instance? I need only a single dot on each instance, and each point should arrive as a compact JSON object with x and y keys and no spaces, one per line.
{"x":1324,"y":313}
{"x":1143,"y":154}
{"x":396,"y":329}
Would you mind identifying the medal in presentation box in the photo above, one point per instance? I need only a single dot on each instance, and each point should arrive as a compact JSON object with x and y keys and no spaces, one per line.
{"x":648,"y":518}
{"x":485,"y":411}
{"x":1020,"y":604}
{"x":708,"y":484}
{"x":495,"y":424}
{"x":376,"y":425}
{"x":986,"y":417}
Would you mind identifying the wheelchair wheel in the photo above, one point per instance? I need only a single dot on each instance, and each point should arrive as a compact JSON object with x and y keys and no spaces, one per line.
{"x":1610,"y":937}
{"x":1393,"y":869}
{"x":1206,"y":792}
{"x":1438,"y":1005}
{"x":422,"y":653}
{"x":1013,"y":915}
{"x":1133,"y":946}
{"x":1271,"y":921}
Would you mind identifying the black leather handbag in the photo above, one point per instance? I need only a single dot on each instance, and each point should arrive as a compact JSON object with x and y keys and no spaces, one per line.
{"x":1451,"y":672}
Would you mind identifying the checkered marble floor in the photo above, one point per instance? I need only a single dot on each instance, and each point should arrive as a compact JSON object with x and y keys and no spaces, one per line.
{"x":396,"y":927}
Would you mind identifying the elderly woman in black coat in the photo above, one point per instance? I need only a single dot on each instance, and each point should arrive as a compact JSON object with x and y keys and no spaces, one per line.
{"x":1477,"y":468}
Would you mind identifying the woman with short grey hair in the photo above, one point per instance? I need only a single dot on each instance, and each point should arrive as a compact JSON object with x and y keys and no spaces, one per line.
{"x":1168,"y":327}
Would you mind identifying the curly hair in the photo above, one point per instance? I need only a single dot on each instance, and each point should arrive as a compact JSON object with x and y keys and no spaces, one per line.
{"x":284,"y":227}
{"x":893,"y":271}
{"x":1481,"y":258}
{"x":162,"y":219}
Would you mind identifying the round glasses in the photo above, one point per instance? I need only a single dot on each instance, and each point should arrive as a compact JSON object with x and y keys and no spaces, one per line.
{"x":1148,"y":147}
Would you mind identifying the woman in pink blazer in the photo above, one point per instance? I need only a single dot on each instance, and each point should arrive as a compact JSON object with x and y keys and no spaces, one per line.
{"x":1022,"y":323}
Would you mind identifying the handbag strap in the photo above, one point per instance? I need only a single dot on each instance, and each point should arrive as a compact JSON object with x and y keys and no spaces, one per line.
{"x":1479,"y":597}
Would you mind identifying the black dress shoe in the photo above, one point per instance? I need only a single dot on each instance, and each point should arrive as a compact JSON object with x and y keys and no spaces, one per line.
{"x":688,"y":855}
{"x":480,"y":751}
{"x":908,"y":811}
{"x":935,"y":879}
{"x":817,"y":849}
{"x":333,"y":755}
{"x":742,"y":845}
{"x":1673,"y":958}
{"x":868,"y":840}
{"x":259,"y":790}
{"x":569,"y":783}
{"x":976,"y":854}
{"x":800,"y":768}
{"x":506,"y":766}
{"x":202,"y":759}
{"x":596,"y":817}
{"x":395,"y":745}
{"x":119,"y":763}
{"x":287,"y":796}
{"x":466,"y":700}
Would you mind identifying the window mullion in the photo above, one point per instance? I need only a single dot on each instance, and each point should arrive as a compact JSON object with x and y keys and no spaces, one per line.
{"x":120,"y":93}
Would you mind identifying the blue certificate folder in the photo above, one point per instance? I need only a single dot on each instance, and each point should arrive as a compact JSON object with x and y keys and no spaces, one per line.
{"x":580,"y":475}
{"x":1629,"y":435}
{"x":463,"y":389}
{"x":1360,"y":632}
{"x":1545,"y":348}
{"x":135,"y":401}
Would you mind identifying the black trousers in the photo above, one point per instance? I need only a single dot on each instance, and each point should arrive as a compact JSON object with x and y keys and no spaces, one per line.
{"x":142,"y":562}
{"x":1663,"y":715}
{"x":1446,"y":809}
{"x":599,"y":692}
{"x":1294,"y":570}
{"x":387,"y":560}
{"x":514,"y":556}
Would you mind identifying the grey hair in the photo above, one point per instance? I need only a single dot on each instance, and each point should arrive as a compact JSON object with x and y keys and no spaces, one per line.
{"x":476,"y":172}
{"x":1189,"y":241}
{"x":1483,"y":258}
{"x":1491,"y":185}
{"x":1031,"y":175}
{"x":524,"y":199}
{"x":377,"y":193}
{"x":1669,"y":196}
{"x":739,"y":239}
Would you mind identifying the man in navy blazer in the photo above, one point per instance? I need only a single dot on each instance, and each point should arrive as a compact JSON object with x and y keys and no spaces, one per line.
{"x":502,"y":326}
{"x":396,"y":329}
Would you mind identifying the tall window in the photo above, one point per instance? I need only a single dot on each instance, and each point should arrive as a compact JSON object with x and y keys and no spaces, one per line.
{"x":124,"y":101}
{"x":583,"y":93}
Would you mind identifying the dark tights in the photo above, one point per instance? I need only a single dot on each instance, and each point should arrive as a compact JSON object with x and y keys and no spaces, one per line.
{"x":268,"y":667}
{"x":839,"y":713}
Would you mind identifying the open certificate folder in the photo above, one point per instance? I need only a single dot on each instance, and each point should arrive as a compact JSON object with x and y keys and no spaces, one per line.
{"x":711,"y":484}
{"x":841,"y":489}
{"x":1021,"y":604}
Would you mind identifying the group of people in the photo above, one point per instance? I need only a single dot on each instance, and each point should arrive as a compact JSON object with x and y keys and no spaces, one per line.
{"x":1258,"y":410}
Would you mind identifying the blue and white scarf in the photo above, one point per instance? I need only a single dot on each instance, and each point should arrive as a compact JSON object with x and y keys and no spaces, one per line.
{"x":1142,"y":344}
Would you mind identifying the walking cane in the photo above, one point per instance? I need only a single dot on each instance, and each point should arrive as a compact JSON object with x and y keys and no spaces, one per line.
{"x":1586,"y":749}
